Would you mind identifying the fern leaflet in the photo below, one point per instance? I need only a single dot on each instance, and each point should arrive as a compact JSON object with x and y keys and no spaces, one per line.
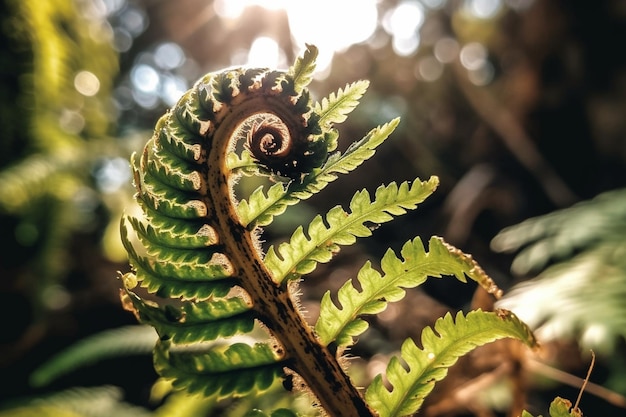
{"x":220,"y":370}
{"x":302,"y":70}
{"x":302,"y":253}
{"x":441,"y":348}
{"x":341,"y":323}
{"x":335,"y":107}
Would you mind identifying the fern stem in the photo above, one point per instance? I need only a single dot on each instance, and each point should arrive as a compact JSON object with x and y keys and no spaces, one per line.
{"x":317,"y":366}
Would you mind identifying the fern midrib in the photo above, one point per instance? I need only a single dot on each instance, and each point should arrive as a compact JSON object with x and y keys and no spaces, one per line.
{"x":311,"y":360}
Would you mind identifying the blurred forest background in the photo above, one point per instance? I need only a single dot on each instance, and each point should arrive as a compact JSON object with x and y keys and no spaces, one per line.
{"x":519,"y":106}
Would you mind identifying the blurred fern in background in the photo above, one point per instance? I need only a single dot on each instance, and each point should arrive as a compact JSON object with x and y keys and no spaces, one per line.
{"x":56,"y":119}
{"x":579,"y":257}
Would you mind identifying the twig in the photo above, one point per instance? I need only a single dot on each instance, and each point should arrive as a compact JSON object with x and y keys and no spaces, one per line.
{"x":574,"y":381}
{"x":586,"y":381}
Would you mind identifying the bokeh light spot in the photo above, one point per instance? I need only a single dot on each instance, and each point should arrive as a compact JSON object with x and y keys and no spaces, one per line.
{"x":350,"y":22}
{"x":483,"y":9}
{"x":55,"y":297}
{"x":434,"y":4}
{"x":145,"y":78}
{"x":482,"y":75}
{"x":429,"y":69}
{"x":265,"y":53}
{"x":473,"y":55}
{"x":446,"y":50}
{"x":169,"y":56}
{"x":134,"y":20}
{"x":111,"y":174}
{"x":403,"y":24}
{"x":122,"y":40}
{"x":404,"y":20}
{"x":173,"y":88}
{"x":87,"y":83}
{"x":71,"y":121}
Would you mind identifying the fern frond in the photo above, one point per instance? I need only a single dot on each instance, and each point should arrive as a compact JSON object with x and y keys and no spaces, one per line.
{"x":77,"y":402}
{"x":336,"y":107}
{"x":122,"y":341}
{"x":260,"y":208}
{"x":226,"y":370}
{"x":325,"y":234}
{"x":582,"y":298}
{"x":450,"y":339}
{"x":580,"y":286}
{"x":340,"y":323}
{"x":234,"y":328}
{"x":558,"y":235}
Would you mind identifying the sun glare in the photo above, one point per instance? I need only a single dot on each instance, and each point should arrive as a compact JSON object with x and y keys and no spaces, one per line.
{"x":329,"y":24}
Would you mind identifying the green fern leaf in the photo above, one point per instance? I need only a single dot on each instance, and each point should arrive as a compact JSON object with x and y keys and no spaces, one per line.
{"x":578,"y":254}
{"x":242,"y":163}
{"x":168,"y":233}
{"x":78,"y":402}
{"x":340,"y":323}
{"x":336,"y":107}
{"x":562,"y":233}
{"x":122,"y":341}
{"x":178,"y":279}
{"x":302,"y":253}
{"x":551,"y":302}
{"x":441,"y":347}
{"x":171,"y":169}
{"x":228,"y":370}
{"x":260,"y":209}
{"x":194,"y":321}
{"x":302,"y":71}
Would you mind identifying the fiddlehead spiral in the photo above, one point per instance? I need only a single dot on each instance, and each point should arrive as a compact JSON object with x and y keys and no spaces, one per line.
{"x":194,"y":247}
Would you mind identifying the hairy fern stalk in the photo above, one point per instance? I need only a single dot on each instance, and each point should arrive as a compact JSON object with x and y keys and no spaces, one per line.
{"x":225,"y":312}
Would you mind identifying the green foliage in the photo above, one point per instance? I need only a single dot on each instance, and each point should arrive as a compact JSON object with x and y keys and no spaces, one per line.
{"x":128,"y":340}
{"x":76,"y":402}
{"x":302,"y":70}
{"x":260,"y":209}
{"x":226,"y":315}
{"x":53,"y":135}
{"x":580,"y":287}
{"x":441,"y":347}
{"x":340,"y":323}
{"x":221,"y":369}
{"x":560,"y":407}
{"x":324,"y":235}
{"x":336,"y":107}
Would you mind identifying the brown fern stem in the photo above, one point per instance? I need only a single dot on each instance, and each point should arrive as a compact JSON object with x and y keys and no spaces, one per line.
{"x":317,"y":366}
